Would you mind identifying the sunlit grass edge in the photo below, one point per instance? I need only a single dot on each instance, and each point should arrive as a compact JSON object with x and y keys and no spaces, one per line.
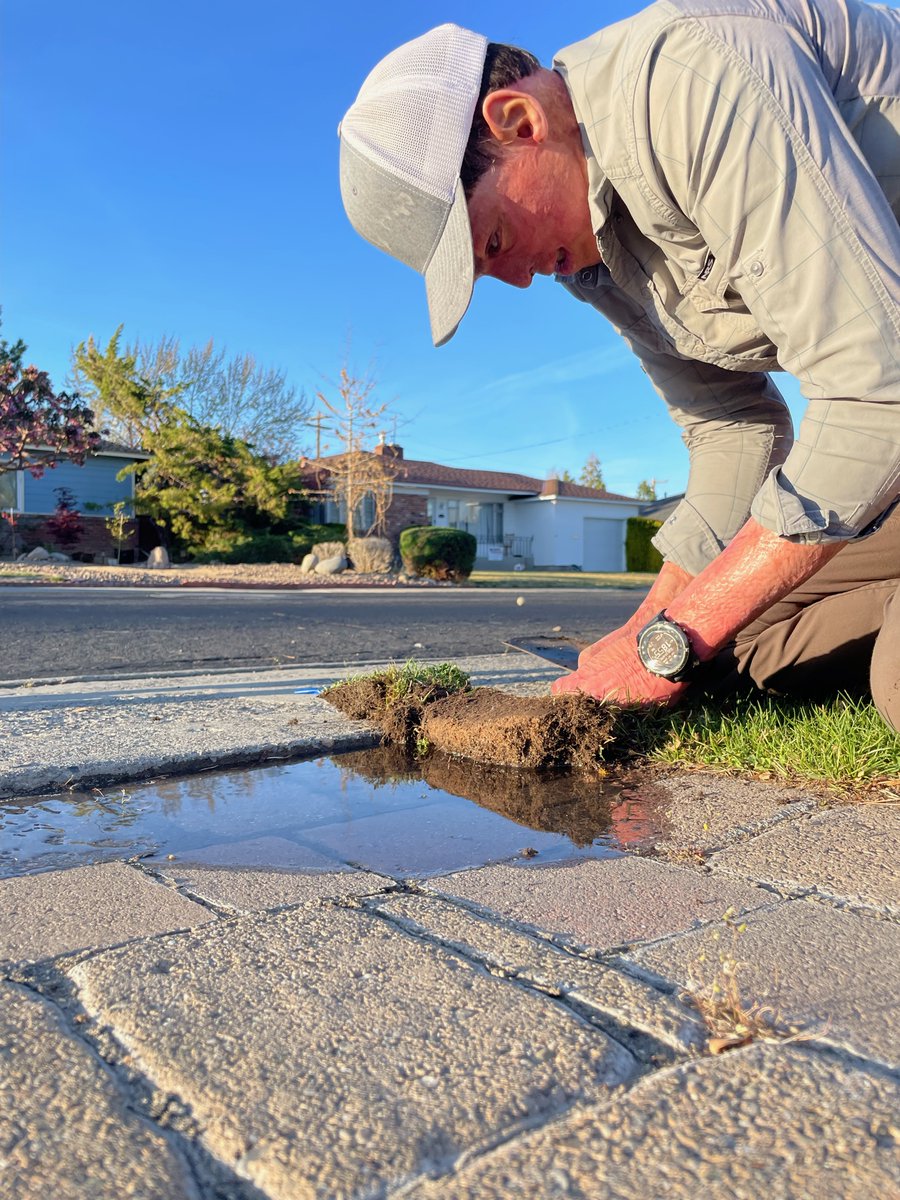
{"x":843,"y":742}
{"x":560,"y":579}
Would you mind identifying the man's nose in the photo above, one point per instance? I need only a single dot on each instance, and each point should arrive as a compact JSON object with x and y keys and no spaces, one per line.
{"x":516,"y":274}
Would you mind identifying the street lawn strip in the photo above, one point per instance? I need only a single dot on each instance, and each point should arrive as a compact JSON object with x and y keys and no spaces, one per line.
{"x":842,"y":742}
{"x":399,"y":679}
{"x":560,"y":579}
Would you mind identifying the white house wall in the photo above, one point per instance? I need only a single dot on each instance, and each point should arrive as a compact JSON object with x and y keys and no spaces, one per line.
{"x":557,"y":527}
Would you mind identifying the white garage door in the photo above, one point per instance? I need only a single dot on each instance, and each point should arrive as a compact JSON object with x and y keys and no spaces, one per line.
{"x":604,"y":544}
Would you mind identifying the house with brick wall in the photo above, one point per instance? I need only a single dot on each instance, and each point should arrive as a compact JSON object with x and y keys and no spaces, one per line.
{"x":96,"y":488}
{"x":516,"y":519}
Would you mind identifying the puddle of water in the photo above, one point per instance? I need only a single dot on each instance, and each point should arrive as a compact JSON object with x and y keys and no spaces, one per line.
{"x":369,"y":808}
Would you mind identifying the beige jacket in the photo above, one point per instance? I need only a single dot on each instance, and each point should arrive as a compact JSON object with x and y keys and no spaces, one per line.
{"x":744,"y":171}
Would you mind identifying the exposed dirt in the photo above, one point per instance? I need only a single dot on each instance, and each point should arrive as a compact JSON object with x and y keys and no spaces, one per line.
{"x":541,"y":733}
{"x":372,"y":699}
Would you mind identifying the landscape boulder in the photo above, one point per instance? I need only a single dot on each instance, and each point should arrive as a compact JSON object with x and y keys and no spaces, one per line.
{"x":309,"y":561}
{"x":331,"y":566}
{"x":323,"y":550}
{"x":38,"y":554}
{"x":159,"y":559}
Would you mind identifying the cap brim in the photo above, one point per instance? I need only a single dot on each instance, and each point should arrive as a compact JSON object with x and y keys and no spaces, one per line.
{"x":450,"y":276}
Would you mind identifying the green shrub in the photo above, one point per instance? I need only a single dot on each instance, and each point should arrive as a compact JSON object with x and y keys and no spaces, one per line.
{"x":258,"y":547}
{"x":640,"y":553}
{"x":371,"y":555}
{"x":304,"y":537}
{"x":438,"y":553}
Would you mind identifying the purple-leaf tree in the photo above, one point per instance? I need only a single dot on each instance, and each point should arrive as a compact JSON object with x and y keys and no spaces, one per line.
{"x":40,"y":428}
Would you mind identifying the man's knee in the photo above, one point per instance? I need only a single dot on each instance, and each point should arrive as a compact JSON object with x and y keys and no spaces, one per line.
{"x":885,"y":673}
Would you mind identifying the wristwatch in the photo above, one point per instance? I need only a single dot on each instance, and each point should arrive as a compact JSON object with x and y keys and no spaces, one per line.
{"x":665,"y":649}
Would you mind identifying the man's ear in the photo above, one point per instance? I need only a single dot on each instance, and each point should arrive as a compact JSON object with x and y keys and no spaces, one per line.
{"x":511,"y":115}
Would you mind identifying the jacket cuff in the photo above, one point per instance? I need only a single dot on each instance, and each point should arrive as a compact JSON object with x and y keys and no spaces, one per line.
{"x":687,"y":540}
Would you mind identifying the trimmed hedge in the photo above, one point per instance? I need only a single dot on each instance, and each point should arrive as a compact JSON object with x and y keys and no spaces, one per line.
{"x":640,"y":553}
{"x":438,"y":553}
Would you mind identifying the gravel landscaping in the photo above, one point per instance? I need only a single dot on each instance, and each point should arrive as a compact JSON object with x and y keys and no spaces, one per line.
{"x":243,"y":575}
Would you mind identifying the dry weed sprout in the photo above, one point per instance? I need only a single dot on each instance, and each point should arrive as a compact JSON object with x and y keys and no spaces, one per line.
{"x":731,"y":1020}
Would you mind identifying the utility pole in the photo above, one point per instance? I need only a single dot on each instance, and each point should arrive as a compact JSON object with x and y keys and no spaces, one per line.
{"x":317,"y":421}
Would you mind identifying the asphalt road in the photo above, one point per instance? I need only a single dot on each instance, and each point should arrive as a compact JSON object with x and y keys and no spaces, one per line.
{"x":46,"y":633}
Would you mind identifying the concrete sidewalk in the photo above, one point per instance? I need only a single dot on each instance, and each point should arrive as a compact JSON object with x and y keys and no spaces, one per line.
{"x":315,"y":1027}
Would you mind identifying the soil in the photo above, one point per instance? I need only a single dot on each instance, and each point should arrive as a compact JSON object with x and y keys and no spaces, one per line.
{"x":541,"y":733}
{"x":399,"y":717}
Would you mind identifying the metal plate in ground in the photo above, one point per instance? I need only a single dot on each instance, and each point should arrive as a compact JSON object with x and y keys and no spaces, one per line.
{"x":561,"y":651}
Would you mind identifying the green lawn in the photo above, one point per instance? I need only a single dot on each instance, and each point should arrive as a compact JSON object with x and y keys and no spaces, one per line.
{"x":561,"y":579}
{"x":843,"y":742}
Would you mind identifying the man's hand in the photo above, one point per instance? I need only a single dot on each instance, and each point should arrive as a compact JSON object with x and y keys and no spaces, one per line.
{"x":616,"y":673}
{"x":754,"y":571}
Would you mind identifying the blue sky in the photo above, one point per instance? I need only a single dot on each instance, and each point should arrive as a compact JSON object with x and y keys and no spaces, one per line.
{"x":174,"y":167}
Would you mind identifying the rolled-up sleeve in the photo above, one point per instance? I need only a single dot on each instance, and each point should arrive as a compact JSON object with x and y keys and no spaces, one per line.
{"x":735,"y":425}
{"x":737,"y":430}
{"x":745,"y":138}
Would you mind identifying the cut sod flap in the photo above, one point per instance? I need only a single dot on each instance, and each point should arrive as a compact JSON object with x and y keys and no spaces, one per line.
{"x":484,"y":725}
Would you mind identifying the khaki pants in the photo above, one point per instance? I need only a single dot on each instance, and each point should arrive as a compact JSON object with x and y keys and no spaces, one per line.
{"x":839,"y":631}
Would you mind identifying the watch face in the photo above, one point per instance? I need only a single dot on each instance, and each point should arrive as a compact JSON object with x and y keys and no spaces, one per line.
{"x":663,"y":648}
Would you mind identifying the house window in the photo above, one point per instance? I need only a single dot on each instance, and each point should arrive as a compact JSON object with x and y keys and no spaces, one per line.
{"x":331,"y":512}
{"x":490,"y":523}
{"x":364,"y":517}
{"x":9,"y":490}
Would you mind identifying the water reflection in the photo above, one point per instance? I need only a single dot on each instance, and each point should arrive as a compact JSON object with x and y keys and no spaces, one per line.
{"x":372,"y":808}
{"x":579,"y":807}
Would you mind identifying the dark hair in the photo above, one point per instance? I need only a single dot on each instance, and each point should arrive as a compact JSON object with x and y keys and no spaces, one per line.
{"x":503,"y":66}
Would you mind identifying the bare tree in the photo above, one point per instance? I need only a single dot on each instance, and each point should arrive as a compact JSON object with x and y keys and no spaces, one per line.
{"x":358,"y":478}
{"x":236,"y":395}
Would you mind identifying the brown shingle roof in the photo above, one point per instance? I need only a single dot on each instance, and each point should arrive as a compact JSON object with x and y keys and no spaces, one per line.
{"x":411,"y":470}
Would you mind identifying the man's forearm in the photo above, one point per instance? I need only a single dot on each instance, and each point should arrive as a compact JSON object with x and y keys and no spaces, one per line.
{"x":754,"y":571}
{"x":669,"y":583}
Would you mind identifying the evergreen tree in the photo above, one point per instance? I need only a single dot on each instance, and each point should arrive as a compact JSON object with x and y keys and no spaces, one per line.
{"x":205,"y":489}
{"x":235,"y":394}
{"x":592,"y":474}
{"x":12,"y":353}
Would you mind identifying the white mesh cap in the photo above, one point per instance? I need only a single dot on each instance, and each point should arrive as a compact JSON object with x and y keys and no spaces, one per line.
{"x":402,"y":146}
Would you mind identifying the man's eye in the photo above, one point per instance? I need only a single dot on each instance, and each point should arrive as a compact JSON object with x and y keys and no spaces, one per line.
{"x":493,"y":246}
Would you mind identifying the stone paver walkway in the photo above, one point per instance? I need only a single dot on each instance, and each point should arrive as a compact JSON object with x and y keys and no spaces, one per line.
{"x":299,"y":1025}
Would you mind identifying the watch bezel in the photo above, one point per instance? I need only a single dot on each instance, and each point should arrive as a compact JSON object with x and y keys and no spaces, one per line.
{"x":675,"y":672}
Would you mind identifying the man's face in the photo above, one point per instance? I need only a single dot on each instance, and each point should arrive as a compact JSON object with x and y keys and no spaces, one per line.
{"x":529,"y":215}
